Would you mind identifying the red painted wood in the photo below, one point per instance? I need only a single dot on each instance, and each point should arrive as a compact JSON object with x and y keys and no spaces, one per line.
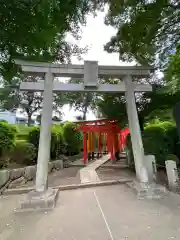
{"x":99,"y":142}
{"x":116,"y":138}
{"x":85,"y":147}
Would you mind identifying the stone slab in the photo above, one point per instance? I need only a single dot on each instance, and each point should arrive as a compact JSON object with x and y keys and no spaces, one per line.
{"x":17,"y":183}
{"x":96,"y":164}
{"x":4,"y":177}
{"x":35,"y":201}
{"x":50,"y":167}
{"x":88,"y":175}
{"x":148,"y":191}
{"x":16,"y":173}
{"x":17,"y":191}
{"x":57,"y":164}
{"x":30,"y":173}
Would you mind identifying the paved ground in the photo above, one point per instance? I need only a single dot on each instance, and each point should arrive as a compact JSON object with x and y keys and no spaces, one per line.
{"x":114,"y":173}
{"x":88,"y":174}
{"x":103,"y":213}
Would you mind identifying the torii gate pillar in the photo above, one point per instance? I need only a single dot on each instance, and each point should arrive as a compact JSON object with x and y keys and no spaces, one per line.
{"x":136,"y":139}
{"x":45,"y":135}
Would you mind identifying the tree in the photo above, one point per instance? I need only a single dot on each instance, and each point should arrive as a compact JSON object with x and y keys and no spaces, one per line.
{"x":54,"y":118}
{"x":172,"y":72}
{"x":38,"y":119}
{"x":29,"y":103}
{"x":147,"y":31}
{"x":79,"y":118}
{"x":37,"y":29}
{"x":81,"y":101}
{"x":157,"y":104}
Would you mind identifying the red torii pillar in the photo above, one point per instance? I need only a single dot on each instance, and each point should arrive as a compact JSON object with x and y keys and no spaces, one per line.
{"x":85,"y":147}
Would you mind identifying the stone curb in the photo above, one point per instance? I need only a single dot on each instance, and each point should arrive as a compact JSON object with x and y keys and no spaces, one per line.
{"x":114,"y":166}
{"x":69,"y":187}
{"x":3,"y":188}
{"x":77,"y":165}
{"x":28,"y":172}
{"x":152,"y":191}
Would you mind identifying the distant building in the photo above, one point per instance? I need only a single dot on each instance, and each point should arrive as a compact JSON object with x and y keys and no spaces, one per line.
{"x":12,"y":118}
{"x":8,"y":116}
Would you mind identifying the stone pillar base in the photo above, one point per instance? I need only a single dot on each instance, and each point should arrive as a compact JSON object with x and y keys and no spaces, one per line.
{"x":148,"y":191}
{"x":35,"y":201}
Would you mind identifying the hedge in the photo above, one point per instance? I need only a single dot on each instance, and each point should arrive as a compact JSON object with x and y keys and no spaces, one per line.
{"x":23,"y":132}
{"x":19,"y":144}
{"x":33,"y":138}
{"x":24,"y":153}
{"x":72,"y":138}
{"x":7,"y":142}
{"x":64,"y":139}
{"x":58,"y":145}
{"x":158,"y":139}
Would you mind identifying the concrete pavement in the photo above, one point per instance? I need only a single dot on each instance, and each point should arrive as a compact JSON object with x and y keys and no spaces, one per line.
{"x":104,"y":213}
{"x":88,"y":174}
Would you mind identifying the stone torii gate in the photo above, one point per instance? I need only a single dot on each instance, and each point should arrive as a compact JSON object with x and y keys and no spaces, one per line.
{"x":90,"y":72}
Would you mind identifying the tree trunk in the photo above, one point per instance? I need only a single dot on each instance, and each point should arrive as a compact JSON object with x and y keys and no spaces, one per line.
{"x":29,"y":119}
{"x":87,"y":100}
{"x":85,"y":112}
{"x":141,"y":123}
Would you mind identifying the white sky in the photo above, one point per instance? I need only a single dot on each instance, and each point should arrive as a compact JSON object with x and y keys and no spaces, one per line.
{"x":96,"y":34}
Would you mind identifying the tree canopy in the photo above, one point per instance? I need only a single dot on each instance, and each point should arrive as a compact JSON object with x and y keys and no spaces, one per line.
{"x":147,"y":31}
{"x":36,"y":29}
{"x":81,"y":101}
{"x":172,"y":72}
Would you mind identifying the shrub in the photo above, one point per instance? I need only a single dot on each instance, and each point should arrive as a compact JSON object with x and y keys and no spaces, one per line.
{"x":23,"y":132}
{"x":155,"y":142}
{"x":173,"y":157}
{"x":159,"y":139}
{"x":3,"y":121}
{"x":72,"y":138}
{"x":7,"y":142}
{"x":33,"y":136}
{"x":57,"y":140}
{"x":24,"y":153}
{"x":58,"y":145}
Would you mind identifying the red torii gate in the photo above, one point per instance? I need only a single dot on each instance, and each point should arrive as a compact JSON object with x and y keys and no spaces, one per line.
{"x":110,"y":137}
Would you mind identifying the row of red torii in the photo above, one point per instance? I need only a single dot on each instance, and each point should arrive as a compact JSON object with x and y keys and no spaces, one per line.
{"x":110,"y":138}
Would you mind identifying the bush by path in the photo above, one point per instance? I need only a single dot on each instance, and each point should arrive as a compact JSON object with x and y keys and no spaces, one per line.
{"x":24,"y":153}
{"x":159,"y":139}
{"x":19,"y":144}
{"x":7,"y":142}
